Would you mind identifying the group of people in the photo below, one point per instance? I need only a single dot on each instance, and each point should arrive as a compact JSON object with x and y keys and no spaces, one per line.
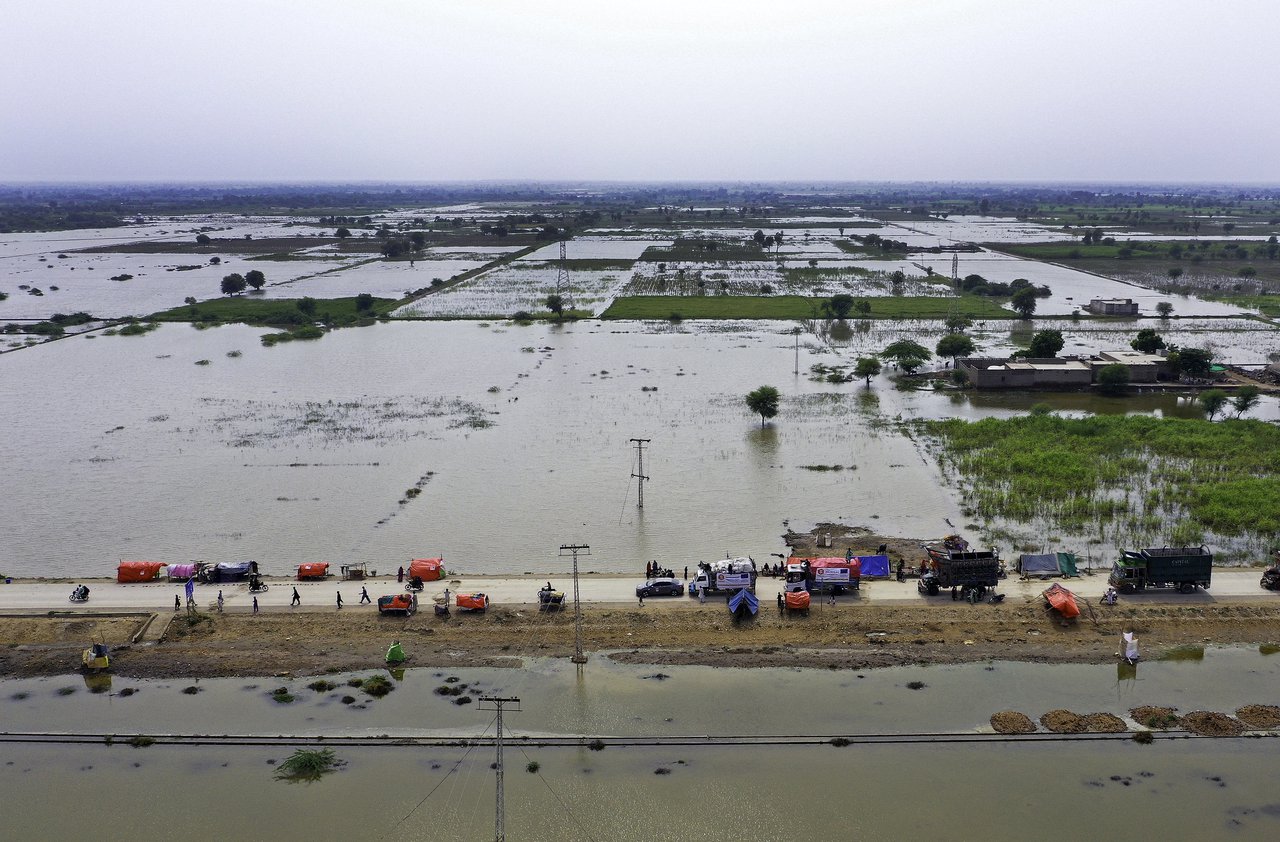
{"x":653,"y":570}
{"x":773,"y":571}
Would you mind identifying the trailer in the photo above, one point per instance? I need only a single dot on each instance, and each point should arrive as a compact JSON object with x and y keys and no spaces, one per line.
{"x":727,"y":574}
{"x":959,"y":568}
{"x":1184,"y":568}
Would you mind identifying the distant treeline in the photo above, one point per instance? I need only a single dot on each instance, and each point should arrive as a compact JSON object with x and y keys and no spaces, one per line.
{"x":52,"y":207}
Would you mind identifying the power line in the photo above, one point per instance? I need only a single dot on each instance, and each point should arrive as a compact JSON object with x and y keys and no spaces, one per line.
{"x":578,"y":656}
{"x":446,"y":777}
{"x":500,"y":817}
{"x":639,"y":476}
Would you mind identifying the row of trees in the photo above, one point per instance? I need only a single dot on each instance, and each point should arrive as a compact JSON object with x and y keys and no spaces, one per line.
{"x":235,"y":283}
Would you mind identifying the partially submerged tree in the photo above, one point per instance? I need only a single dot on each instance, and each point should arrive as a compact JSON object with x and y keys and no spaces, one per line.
{"x":958,"y":324}
{"x":908,"y":354}
{"x":255,"y":278}
{"x":1245,"y":399}
{"x":555,"y":304}
{"x":955,"y":345}
{"x":233,"y":284}
{"x":867,"y":368}
{"x":764,"y":402}
{"x":1113,"y":379}
{"x":840,"y":305}
{"x":1046,"y":343}
{"x":1147,"y":341}
{"x":1212,"y":401}
{"x":1024,"y":302}
{"x":1164,"y":308}
{"x":1194,"y":362}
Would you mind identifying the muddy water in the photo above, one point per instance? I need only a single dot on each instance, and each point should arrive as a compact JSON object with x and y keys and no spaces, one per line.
{"x":122,"y":447}
{"x":1202,"y":789}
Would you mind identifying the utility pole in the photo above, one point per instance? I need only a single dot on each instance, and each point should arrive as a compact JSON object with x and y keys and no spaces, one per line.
{"x":574,"y":549}
{"x":500,"y":818}
{"x":640,"y":477}
{"x":796,"y":332}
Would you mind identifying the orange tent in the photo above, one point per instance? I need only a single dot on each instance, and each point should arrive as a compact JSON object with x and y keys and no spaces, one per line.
{"x":1062,"y":599}
{"x":427,"y":569}
{"x":313,"y":570}
{"x":138,"y":571}
{"x":797,"y":600}
{"x":473,"y":601}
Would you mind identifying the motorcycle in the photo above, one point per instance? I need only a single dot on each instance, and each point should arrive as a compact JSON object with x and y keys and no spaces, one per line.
{"x":256,"y":585}
{"x":1271,"y":578}
{"x":80,"y":594}
{"x":415,"y":585}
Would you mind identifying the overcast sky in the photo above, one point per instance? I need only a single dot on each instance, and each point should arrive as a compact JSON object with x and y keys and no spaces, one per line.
{"x":644,"y":90}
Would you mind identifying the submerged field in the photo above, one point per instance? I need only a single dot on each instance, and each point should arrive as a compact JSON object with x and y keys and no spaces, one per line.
{"x":1124,"y":479}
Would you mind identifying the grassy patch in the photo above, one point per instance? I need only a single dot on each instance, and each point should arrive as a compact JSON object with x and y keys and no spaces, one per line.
{"x":141,"y":741}
{"x":307,"y":765}
{"x":704,"y":250}
{"x":1138,"y":478}
{"x":274,"y":312}
{"x":378,"y":686}
{"x":799,"y":307}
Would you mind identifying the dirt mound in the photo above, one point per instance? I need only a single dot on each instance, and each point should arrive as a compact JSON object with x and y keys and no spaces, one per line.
{"x":1012,"y":722}
{"x":1212,"y":724}
{"x":1064,"y":722}
{"x":1156,"y":717}
{"x":1105,"y":723}
{"x":1259,"y":716}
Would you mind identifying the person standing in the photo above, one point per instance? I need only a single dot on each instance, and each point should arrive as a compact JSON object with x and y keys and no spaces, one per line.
{"x":339,"y":600}
{"x":400,"y":575}
{"x":364,"y":595}
{"x":702,"y":596}
{"x":297,"y":600}
{"x":255,"y":605}
{"x":641,"y":595}
{"x":686,"y":572}
{"x":219,"y":602}
{"x":177,"y":603}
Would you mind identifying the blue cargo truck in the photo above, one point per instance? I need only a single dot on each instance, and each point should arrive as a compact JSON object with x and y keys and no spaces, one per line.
{"x":1184,"y":568}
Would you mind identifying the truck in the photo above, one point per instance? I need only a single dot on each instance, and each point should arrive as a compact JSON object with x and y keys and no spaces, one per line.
{"x":727,"y":574}
{"x":834,"y":575}
{"x":1184,"y":568}
{"x":959,"y":568}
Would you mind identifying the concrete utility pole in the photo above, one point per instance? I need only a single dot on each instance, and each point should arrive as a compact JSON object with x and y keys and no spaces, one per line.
{"x":500,"y":819}
{"x":640,"y":477}
{"x":574,"y":549}
{"x":796,"y":332}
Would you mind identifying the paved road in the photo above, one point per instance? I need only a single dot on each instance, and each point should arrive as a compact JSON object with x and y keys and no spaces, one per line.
{"x":28,"y":596}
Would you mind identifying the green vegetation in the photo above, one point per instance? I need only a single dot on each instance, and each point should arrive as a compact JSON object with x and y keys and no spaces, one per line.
{"x":378,"y":686}
{"x":1134,"y":478}
{"x":908,"y":354}
{"x":307,"y":765}
{"x":705,"y":249}
{"x":867,"y":368}
{"x":798,"y":307}
{"x":141,"y":741}
{"x":276,"y":312}
{"x":1113,"y":379}
{"x":763,"y":402}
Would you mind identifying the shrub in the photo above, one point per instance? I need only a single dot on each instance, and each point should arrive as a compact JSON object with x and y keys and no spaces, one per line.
{"x":141,"y":741}
{"x":378,"y":686}
{"x":308,"y":765}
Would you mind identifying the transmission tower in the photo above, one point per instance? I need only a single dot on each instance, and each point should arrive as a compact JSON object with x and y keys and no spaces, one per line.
{"x":500,"y":818}
{"x":573,"y":549}
{"x":955,"y":267}
{"x":640,"y":477}
{"x":562,"y":277}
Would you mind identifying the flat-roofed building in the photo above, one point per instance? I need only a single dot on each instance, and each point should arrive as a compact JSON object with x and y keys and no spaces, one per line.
{"x":1113,"y":307}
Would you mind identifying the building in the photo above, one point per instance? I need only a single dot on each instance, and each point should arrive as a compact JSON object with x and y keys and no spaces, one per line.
{"x":1113,"y":307}
{"x":1065,"y":372}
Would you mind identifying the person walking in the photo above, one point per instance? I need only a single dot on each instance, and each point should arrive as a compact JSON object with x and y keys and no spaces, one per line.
{"x":219,"y":602}
{"x":641,"y":595}
{"x":177,"y":603}
{"x":686,"y":572}
{"x":702,"y":596}
{"x":339,"y":600}
{"x":297,"y":600}
{"x":255,"y":605}
{"x":364,"y":595}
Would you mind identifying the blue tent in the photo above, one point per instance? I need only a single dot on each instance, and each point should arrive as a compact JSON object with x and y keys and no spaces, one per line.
{"x":874,"y":565}
{"x":744,"y":596}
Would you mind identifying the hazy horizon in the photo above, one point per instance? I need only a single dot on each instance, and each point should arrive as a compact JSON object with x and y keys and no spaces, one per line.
{"x":398,"y":91}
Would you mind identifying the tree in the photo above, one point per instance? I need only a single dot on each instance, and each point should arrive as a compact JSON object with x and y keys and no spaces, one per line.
{"x":1246,"y":398}
{"x":841,"y":304}
{"x":1147,"y":341}
{"x":555,"y":304}
{"x":759,"y":238}
{"x":255,"y":278}
{"x":863,"y":306}
{"x":958,"y":324}
{"x":1195,"y":362}
{"x":342,"y":233}
{"x":203,"y":239}
{"x":1024,"y":301}
{"x":364,"y":302}
{"x":955,"y":345}
{"x":233,"y":283}
{"x":1113,"y":379}
{"x":1164,"y":308}
{"x":1046,"y":343}
{"x":867,"y":368}
{"x":907,"y":354}
{"x":307,"y":305}
{"x":1212,"y":401}
{"x":764,"y":402}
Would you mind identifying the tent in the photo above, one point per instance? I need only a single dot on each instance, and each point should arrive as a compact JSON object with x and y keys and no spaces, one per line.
{"x":1043,"y":564}
{"x":1067,"y":564}
{"x":874,"y":565}
{"x":313,"y":570}
{"x":138,"y":571}
{"x":234,"y":571}
{"x":427,"y":569}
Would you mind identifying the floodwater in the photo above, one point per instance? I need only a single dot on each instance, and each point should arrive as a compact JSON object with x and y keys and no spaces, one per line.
{"x":1004,"y":791}
{"x":518,"y":439}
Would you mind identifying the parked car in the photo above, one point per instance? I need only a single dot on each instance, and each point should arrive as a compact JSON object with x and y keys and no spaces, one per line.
{"x":661,"y":587}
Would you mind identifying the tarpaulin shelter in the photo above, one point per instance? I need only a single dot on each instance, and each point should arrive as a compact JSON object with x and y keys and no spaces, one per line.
{"x":473,"y":601}
{"x":138,"y":571}
{"x":182,"y":572}
{"x":1067,"y":564}
{"x":427,"y":569}
{"x":1042,"y":564}
{"x":873,"y":565}
{"x":234,"y":571}
{"x":313,"y":570}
